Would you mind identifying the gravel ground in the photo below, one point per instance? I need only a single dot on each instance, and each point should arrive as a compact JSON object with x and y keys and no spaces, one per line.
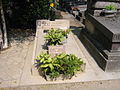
{"x":12,"y":60}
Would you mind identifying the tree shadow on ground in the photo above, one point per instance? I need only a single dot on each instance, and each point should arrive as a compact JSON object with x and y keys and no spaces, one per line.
{"x":20,"y":35}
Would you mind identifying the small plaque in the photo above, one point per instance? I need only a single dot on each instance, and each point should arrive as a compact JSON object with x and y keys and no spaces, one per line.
{"x":54,"y":50}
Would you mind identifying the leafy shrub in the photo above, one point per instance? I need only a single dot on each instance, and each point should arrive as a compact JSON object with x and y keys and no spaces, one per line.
{"x":56,"y":36}
{"x":66,"y":32}
{"x":25,"y":14}
{"x":66,"y":64}
{"x":69,"y":63}
{"x":48,"y":65}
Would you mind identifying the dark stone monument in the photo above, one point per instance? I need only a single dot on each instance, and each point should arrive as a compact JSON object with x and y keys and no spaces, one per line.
{"x":102,"y":35}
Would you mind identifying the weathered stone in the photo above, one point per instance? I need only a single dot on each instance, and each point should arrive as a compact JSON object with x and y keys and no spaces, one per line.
{"x":102,"y":35}
{"x":46,"y":24}
{"x":110,"y":63}
{"x":103,"y":27}
{"x":97,"y":12}
{"x":89,"y":26}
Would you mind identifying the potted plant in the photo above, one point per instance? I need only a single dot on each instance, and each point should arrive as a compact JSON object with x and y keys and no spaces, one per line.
{"x":110,"y":10}
{"x":62,"y":66}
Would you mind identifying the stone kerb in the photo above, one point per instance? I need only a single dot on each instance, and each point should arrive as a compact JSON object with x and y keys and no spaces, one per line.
{"x":42,"y":25}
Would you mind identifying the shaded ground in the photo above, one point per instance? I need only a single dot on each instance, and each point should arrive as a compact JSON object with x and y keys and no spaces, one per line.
{"x":20,"y":36}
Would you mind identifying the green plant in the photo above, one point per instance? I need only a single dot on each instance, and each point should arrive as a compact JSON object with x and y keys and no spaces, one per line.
{"x":69,"y":63}
{"x":66,"y":32}
{"x":66,"y":64}
{"x":110,"y":7}
{"x":24,"y":14}
{"x":48,"y":65}
{"x":54,"y":37}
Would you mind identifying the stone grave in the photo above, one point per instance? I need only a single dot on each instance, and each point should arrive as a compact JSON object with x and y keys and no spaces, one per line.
{"x":102,"y":34}
{"x":41,"y":26}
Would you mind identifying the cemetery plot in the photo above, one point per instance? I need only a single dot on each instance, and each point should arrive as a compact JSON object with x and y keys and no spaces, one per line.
{"x":51,"y":55}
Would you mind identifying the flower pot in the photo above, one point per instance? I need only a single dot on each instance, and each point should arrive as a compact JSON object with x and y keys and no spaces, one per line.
{"x":109,"y":13}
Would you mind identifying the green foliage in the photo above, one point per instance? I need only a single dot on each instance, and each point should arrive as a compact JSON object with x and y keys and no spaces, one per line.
{"x":48,"y":65}
{"x":66,"y":64}
{"x":110,"y":7}
{"x":54,"y":37}
{"x":39,"y":9}
{"x":69,"y":63}
{"x":35,"y":9}
{"x":66,"y":32}
{"x":25,"y":14}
